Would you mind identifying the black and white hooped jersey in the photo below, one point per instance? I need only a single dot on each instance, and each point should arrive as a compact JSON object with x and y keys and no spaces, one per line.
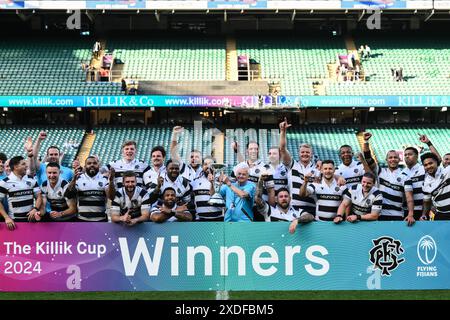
{"x":414,"y":183}
{"x":361,"y":205}
{"x":392,"y":186}
{"x":57,"y":198}
{"x":156,"y":210}
{"x":276,"y":213}
{"x":182,"y":188}
{"x":200,"y":189}
{"x":437,"y":189}
{"x":297,"y":172}
{"x":280,"y":176}
{"x":352,"y":173}
{"x":20,"y":194}
{"x":151,"y":177}
{"x":188,"y":172}
{"x":139,"y":201}
{"x":255,"y":171}
{"x":120,"y":166}
{"x":328,"y":198}
{"x":91,"y":197}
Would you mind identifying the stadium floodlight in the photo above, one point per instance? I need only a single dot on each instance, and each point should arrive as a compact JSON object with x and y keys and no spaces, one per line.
{"x":444,"y":109}
{"x":371,"y":109}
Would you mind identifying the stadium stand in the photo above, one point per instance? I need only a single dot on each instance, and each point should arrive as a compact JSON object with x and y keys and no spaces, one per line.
{"x":170,"y":58}
{"x":297,"y":62}
{"x":385,"y":139}
{"x":425,"y":62}
{"x":48,"y":67}
{"x":68,"y":139}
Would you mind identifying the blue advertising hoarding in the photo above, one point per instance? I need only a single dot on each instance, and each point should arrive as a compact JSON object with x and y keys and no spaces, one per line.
{"x":404,"y":101}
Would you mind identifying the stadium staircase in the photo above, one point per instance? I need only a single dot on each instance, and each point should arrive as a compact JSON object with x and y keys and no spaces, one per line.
{"x":232,"y":65}
{"x":85,"y":149}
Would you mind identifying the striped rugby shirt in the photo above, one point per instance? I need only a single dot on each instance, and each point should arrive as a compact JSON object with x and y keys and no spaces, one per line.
{"x":437,"y":189}
{"x":200,"y":189}
{"x":151,"y":177}
{"x":182,"y":188}
{"x":328,"y":198}
{"x":57,"y":198}
{"x":156,"y":210}
{"x":91,"y":195}
{"x":352,"y":173}
{"x":120,"y":166}
{"x":255,"y":172}
{"x":276,"y":214}
{"x":361,"y":204}
{"x":280,"y":176}
{"x":414,"y":182}
{"x":138,"y":202}
{"x":20,"y":194}
{"x":296,"y":174}
{"x":392,"y":186}
{"x":188,"y":172}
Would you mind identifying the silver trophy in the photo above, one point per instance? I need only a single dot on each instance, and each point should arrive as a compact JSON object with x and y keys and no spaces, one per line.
{"x":216,"y":199}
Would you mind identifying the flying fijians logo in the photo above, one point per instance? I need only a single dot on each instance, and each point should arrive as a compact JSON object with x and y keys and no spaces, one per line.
{"x":426,"y":250}
{"x":385,"y":255}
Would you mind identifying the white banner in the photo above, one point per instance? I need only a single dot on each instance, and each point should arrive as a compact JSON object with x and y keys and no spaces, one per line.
{"x":306,"y":4}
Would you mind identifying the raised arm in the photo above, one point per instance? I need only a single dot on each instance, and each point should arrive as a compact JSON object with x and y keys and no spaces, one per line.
{"x":174,"y":154}
{"x":284,"y":153}
{"x":28,"y":146}
{"x":424,"y":139}
{"x":363,"y":161}
{"x":37,"y":148}
{"x":367,"y":153}
{"x":240,"y":157}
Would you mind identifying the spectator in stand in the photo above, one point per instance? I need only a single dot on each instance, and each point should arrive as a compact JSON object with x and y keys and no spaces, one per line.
{"x":367,"y":51}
